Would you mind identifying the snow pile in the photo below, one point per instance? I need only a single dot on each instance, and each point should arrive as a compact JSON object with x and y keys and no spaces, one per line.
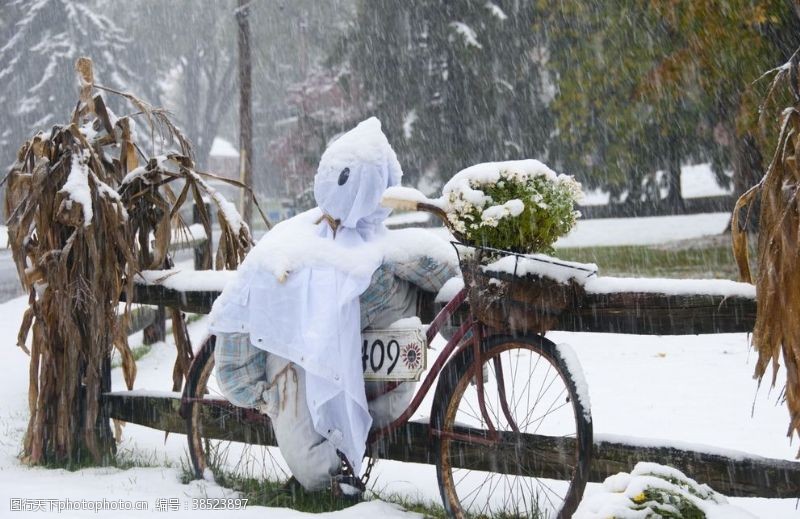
{"x":187,"y":280}
{"x":222,"y":148}
{"x":652,"y":491}
{"x":406,"y":323}
{"x":541,"y":265}
{"x":584,"y":274}
{"x":699,"y":180}
{"x":517,"y":205}
{"x":404,"y":245}
{"x":287,"y":249}
{"x":449,"y":290}
{"x":492,"y":215}
{"x":650,"y":443}
{"x":401,"y":197}
{"x":490,"y":173}
{"x":644,"y":230}
{"x":77,"y":186}
{"x":667,"y":286}
{"x":407,"y":219}
{"x":467,"y":33}
{"x":496,"y":11}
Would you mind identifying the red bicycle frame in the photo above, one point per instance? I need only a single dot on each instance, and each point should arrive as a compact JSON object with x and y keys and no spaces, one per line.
{"x":455,"y":344}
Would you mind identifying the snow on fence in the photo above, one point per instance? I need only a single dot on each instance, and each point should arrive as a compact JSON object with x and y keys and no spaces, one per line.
{"x":614,"y":306}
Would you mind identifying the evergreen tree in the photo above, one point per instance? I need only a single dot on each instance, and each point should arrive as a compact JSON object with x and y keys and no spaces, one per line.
{"x":454,"y":82}
{"x":649,"y":85}
{"x":43,"y":38}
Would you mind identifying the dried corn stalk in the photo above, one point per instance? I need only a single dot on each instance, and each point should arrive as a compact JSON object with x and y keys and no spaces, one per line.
{"x":83,"y":218}
{"x":777,"y":329}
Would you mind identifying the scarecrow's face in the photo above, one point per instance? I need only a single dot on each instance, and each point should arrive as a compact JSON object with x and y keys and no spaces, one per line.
{"x":349,"y":190}
{"x":353,"y":173}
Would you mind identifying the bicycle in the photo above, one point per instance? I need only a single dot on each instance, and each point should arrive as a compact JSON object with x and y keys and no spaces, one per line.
{"x":511,"y":432}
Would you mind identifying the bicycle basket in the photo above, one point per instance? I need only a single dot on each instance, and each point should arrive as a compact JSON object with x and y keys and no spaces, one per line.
{"x":508,"y":292}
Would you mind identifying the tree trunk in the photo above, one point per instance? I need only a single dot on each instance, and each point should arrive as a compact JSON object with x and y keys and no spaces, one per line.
{"x":748,"y":164}
{"x":748,"y":168}
{"x":245,"y":107}
{"x":674,"y":195}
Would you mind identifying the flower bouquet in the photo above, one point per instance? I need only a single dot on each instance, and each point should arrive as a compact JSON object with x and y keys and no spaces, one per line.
{"x":520,"y":206}
{"x":505,"y":215}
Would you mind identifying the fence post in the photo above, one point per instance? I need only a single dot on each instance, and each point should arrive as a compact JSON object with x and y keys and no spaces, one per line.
{"x":202,"y":252}
{"x":156,"y":331}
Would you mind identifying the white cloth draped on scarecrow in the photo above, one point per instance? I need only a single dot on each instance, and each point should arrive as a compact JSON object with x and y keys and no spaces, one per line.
{"x":297,"y":291}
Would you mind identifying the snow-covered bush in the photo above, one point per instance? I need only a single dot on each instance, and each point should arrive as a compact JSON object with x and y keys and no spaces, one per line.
{"x":653,"y":491}
{"x":521,"y":206}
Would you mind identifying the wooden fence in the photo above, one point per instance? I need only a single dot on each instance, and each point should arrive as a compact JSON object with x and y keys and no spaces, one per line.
{"x":151,"y":320}
{"x":737,"y":474}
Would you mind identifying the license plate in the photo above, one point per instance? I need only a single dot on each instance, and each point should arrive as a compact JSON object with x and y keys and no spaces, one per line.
{"x":393,"y":354}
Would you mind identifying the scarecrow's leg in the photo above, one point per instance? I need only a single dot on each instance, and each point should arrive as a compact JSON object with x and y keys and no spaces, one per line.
{"x":311,"y":458}
{"x":385,"y":407}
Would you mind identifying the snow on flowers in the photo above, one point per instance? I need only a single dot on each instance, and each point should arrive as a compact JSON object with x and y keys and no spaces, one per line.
{"x":522,"y":205}
{"x":653,"y":491}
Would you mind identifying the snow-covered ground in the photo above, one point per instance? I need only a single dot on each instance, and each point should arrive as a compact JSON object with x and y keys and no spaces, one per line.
{"x":647,"y":230}
{"x":697,"y":181}
{"x":695,"y":389}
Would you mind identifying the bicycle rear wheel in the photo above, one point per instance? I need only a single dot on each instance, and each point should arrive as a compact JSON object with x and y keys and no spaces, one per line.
{"x":537,"y":464}
{"x":226,"y":443}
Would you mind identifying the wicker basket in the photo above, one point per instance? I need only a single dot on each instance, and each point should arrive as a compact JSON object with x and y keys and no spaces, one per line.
{"x":511,"y":303}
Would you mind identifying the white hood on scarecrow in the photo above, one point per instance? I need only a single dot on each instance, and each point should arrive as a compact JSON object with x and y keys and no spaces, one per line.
{"x":296,"y":293}
{"x":353,"y":173}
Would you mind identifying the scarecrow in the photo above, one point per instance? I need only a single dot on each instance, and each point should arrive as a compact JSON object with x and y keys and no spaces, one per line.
{"x":289,"y":327}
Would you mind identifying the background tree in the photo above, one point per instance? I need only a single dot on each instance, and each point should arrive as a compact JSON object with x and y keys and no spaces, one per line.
{"x":610,"y":132}
{"x":649,"y":85}
{"x":187,"y":50}
{"x":462,"y":80}
{"x":42,"y":39}
{"x":297,"y":102}
{"x":726,"y":48}
{"x":454,"y":83}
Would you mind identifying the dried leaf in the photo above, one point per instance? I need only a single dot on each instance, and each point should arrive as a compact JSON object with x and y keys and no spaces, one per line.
{"x":776,"y":334}
{"x":76,"y":271}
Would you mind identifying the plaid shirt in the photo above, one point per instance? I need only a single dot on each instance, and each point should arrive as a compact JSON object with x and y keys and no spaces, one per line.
{"x":241,"y":369}
{"x":392,"y":292}
{"x":391,"y":295}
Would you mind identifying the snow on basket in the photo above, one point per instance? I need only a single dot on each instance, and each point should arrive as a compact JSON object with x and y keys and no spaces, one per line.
{"x":521,"y":206}
{"x":521,"y":293}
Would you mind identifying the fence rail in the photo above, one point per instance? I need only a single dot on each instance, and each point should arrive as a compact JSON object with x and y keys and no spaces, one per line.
{"x":151,"y":320}
{"x":641,"y":313}
{"x":733,"y":474}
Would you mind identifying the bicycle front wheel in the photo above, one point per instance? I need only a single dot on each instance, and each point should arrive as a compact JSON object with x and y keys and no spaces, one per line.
{"x":535,"y":463}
